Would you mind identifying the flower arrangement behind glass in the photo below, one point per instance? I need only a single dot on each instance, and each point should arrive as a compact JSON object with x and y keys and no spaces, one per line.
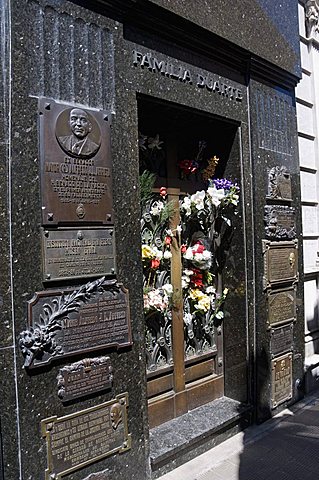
{"x":206,"y":224}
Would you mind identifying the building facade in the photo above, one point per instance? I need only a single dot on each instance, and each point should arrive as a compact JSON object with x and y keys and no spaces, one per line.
{"x":152,"y":275}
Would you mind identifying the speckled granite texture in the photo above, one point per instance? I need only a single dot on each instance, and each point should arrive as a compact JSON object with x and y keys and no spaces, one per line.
{"x":76,"y":55}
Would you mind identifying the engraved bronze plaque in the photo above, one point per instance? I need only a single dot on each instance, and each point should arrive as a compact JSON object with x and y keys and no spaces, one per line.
{"x":281,"y":306}
{"x":88,"y":376}
{"x":281,"y":379}
{"x":69,"y":322}
{"x":76,"y":168}
{"x":280,"y":262}
{"x":281,"y":340}
{"x":77,"y":440}
{"x":280,"y":222}
{"x":75,"y":253}
{"x":279,"y":184}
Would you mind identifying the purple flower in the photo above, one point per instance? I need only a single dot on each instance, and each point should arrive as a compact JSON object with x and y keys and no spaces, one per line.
{"x":223,"y":183}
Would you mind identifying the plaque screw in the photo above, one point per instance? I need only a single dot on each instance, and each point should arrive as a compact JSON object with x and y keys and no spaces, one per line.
{"x":80,"y":235}
{"x":220,"y":362}
{"x":122,"y":401}
{"x":46,"y":233}
{"x":106,"y":118}
{"x":48,"y":276}
{"x":50,"y":217}
{"x":48,"y":106}
{"x":124,"y":444}
{"x":108,"y":217}
{"x":112,"y":270}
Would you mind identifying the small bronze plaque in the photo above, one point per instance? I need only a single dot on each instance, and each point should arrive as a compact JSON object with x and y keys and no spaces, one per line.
{"x":77,"y":440}
{"x":85,"y":377}
{"x":281,"y":306}
{"x":281,"y":340}
{"x":279,"y":184}
{"x":280,"y":262}
{"x":75,"y":253}
{"x":68,"y":322}
{"x":281,"y":380}
{"x":76,"y":167}
{"x":280,"y":222}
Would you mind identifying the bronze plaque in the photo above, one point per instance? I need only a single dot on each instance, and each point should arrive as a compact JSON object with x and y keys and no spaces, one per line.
{"x":76,"y":167}
{"x":77,"y":440}
{"x":69,"y":322}
{"x":281,"y":340}
{"x":75,"y":253}
{"x":280,"y":222}
{"x":281,"y":306}
{"x":281,"y":379}
{"x":279,"y":183}
{"x":88,"y":376}
{"x":280,"y":262}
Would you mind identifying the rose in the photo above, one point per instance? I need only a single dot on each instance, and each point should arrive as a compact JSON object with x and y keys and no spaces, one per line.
{"x":155,"y":263}
{"x":168,"y":240}
{"x":163,"y":192}
{"x":183,"y":248}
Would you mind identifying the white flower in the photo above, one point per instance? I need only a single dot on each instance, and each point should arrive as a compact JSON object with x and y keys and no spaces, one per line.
{"x":167,"y":254}
{"x":169,"y":233}
{"x":225,"y":291}
{"x":179,"y":228}
{"x":210,"y":289}
{"x":185,"y":282}
{"x":198,"y":257}
{"x":216,"y":196}
{"x":206,"y":255}
{"x":186,"y":205}
{"x":188,"y":254}
{"x":141,"y":141}
{"x":188,"y":318}
{"x":219,"y":315}
{"x":168,"y":289}
{"x":157,"y":208}
{"x":188,"y":272}
{"x":198,"y":199}
{"x":158,"y":254}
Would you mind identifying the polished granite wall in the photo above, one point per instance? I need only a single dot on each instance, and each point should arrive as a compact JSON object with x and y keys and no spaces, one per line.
{"x":66,"y":52}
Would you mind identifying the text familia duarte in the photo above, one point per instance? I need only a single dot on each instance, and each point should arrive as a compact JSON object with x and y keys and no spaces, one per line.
{"x":178,"y":72}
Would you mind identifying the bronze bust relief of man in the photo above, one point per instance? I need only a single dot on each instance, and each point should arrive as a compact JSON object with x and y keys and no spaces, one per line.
{"x":78,"y":144}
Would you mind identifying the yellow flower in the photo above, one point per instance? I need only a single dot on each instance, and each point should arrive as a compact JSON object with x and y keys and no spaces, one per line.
{"x":203,"y":304}
{"x":196,"y":294}
{"x":147,"y":251}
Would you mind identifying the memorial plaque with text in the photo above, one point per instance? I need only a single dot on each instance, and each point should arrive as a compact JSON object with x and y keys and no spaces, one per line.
{"x":75,"y":253}
{"x":82,"y":438}
{"x":280,"y":222}
{"x":88,"y":376}
{"x":76,"y":167}
{"x":280,"y":262}
{"x":281,"y":306}
{"x":281,"y":380}
{"x":68,"y":322}
{"x":281,"y":340}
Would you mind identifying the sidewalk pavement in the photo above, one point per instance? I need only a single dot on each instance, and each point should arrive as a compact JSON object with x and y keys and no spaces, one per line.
{"x":285,"y":447}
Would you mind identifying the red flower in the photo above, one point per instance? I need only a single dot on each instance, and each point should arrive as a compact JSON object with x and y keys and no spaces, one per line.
{"x":168,"y":240}
{"x":183,"y":248}
{"x":197,"y":278}
{"x":163,"y":192}
{"x":188,"y":166}
{"x":155,"y":263}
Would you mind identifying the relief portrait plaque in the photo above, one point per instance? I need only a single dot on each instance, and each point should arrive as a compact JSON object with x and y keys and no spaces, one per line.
{"x":281,"y":306}
{"x":281,"y":379}
{"x":280,"y":222}
{"x":76,"y":168}
{"x":75,"y":253}
{"x":62,"y":323}
{"x":280,"y":262}
{"x":279,"y":184}
{"x":82,"y":438}
{"x":281,"y":340}
{"x":88,"y":376}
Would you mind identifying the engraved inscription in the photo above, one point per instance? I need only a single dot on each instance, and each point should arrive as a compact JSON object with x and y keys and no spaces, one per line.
{"x":77,"y":440}
{"x":280,"y":262}
{"x":281,"y":384}
{"x":78,"y":253}
{"x":281,"y":340}
{"x":281,"y":306}
{"x":85,"y":377}
{"x":76,"y":177}
{"x":280,"y":222}
{"x":279,"y":184}
{"x":69,"y":322}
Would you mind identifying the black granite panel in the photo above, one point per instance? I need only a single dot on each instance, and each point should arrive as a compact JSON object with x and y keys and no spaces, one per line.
{"x":48,"y":73}
{"x":266,"y":28}
{"x":274,"y":143}
{"x":9,"y":423}
{"x":5,"y":284}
